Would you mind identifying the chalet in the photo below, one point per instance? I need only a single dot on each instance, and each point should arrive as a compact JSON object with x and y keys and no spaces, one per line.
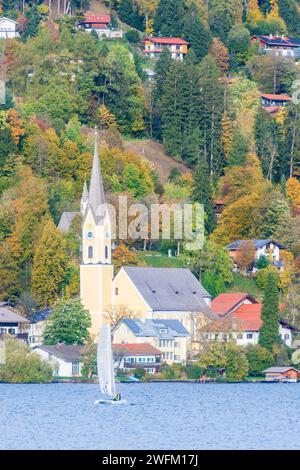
{"x":8,"y":28}
{"x":272,"y":102}
{"x":12,"y":323}
{"x":271,"y":249}
{"x":154,"y":46}
{"x":101,"y":24}
{"x":278,"y":45}
{"x":66,"y":359}
{"x":169,"y":336}
{"x":219,"y":206}
{"x":141,"y":355}
{"x":243,"y":325}
{"x":281,"y":374}
{"x":229,"y":302}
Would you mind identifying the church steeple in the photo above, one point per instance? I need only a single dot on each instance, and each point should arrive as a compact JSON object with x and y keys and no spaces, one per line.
{"x":96,"y":192}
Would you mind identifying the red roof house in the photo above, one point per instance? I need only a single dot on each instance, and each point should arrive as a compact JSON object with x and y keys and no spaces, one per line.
{"x":270,"y":100}
{"x":226,"y":303}
{"x":141,"y":355}
{"x":92,"y":20}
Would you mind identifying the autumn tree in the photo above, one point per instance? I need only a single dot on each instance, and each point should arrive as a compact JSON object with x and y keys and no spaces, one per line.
{"x":245,"y":255}
{"x":50,"y":263}
{"x":293,"y":193}
{"x":220,"y":53}
{"x":123,"y":256}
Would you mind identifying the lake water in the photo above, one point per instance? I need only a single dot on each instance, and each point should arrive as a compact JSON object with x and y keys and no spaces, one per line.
{"x":158,"y":416}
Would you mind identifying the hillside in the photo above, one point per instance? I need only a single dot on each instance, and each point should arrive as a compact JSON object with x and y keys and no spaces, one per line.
{"x":155,"y":153}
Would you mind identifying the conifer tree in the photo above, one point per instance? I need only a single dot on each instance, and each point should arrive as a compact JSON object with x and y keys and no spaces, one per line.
{"x":269,"y":332}
{"x":196,"y":33}
{"x":202,"y":192}
{"x":50,"y":264}
{"x":169,"y":18}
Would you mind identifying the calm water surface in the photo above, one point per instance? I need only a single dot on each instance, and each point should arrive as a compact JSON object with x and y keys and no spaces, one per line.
{"x":158,"y":416}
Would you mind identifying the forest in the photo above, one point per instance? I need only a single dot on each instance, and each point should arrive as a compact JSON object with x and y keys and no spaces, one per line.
{"x":206,"y":110}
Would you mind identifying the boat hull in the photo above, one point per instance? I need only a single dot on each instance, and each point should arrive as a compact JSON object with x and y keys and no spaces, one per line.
{"x":110,"y":402}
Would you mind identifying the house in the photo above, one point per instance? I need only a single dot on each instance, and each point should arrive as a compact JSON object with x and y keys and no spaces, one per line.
{"x":272,"y":102}
{"x":101,"y":24}
{"x":66,"y":359}
{"x":219,"y":206}
{"x":226,"y":303}
{"x":8,"y":28}
{"x":268,"y":248}
{"x":278,"y":45}
{"x":243,"y":325}
{"x":37,"y":326}
{"x":169,"y":336}
{"x":163,"y":293}
{"x":281,"y":374}
{"x":12,"y":323}
{"x":153,"y":47}
{"x":141,"y":355}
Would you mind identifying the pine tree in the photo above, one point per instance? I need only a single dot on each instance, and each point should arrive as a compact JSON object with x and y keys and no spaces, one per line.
{"x":161,"y":70}
{"x":50,"y":264}
{"x":202,"y":192}
{"x":169,"y":18}
{"x":238,"y":152}
{"x":269,"y":332}
{"x":196,"y":33}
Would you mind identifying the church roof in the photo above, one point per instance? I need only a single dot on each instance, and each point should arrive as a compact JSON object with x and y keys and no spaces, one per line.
{"x":96,"y":192}
{"x":170,"y":289}
{"x":66,"y":221}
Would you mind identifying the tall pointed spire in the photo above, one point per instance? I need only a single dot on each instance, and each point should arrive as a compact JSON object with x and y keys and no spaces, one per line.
{"x":96,"y":192}
{"x":84,"y":198}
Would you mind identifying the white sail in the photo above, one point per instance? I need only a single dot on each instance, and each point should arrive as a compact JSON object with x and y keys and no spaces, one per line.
{"x":105,"y":362}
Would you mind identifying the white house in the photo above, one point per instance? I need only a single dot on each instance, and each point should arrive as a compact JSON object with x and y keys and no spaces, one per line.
{"x":8,"y":28}
{"x":169,"y":336}
{"x":66,"y":359}
{"x":140,"y":355}
{"x":243,"y":327}
{"x":12,"y":323}
{"x":101,"y":24}
{"x":37,"y":326}
{"x":269,"y":248}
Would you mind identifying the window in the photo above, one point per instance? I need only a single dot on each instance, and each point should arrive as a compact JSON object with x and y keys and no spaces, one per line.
{"x":286,"y":336}
{"x":176,"y":344}
{"x":116,"y":291}
{"x":106,"y":252}
{"x":249,"y":335}
{"x":239,"y":336}
{"x":11,"y":331}
{"x":90,"y":252}
{"x":75,"y":367}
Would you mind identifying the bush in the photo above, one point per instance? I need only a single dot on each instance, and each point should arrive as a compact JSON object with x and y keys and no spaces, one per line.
{"x":259,"y":359}
{"x":194,"y":372}
{"x":22,"y":365}
{"x":132,"y":36}
{"x":139,"y":373}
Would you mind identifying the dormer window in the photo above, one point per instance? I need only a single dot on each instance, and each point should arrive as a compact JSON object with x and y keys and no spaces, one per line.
{"x":163,"y":330}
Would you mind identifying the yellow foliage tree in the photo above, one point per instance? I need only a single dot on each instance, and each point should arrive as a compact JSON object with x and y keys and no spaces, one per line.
{"x":253,"y":12}
{"x":106,"y":118}
{"x":293,"y":192}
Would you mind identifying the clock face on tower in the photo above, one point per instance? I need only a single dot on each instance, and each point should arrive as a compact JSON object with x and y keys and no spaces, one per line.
{"x":90,"y":235}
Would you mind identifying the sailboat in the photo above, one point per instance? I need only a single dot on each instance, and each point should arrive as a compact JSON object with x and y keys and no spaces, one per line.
{"x":105,"y":367}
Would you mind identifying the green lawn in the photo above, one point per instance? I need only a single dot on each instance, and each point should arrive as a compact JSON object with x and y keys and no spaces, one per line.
{"x":159,"y":260}
{"x":245,"y":284}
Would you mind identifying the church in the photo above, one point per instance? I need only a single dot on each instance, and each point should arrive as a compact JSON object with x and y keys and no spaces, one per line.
{"x":146,"y":292}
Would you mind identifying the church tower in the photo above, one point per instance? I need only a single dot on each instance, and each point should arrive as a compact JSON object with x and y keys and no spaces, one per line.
{"x":96,"y":270}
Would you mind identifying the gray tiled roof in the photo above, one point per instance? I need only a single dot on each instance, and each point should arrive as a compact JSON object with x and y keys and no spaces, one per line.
{"x":66,"y":221}
{"x":257,"y":244}
{"x":173,"y":328}
{"x":171,"y":289}
{"x":279,"y":370}
{"x":9,"y":316}
{"x":66,"y":352}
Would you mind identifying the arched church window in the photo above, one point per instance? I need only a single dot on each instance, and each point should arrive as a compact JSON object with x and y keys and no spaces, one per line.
{"x":106,"y":252}
{"x":90,"y":252}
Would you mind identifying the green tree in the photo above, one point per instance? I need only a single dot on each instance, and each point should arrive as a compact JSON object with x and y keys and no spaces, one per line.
{"x":196,"y":33}
{"x":202,"y":193}
{"x":69,"y":323}
{"x":269,"y":332}
{"x":237,"y":365}
{"x":33,"y":19}
{"x":259,"y":359}
{"x":169,"y":18}
{"x":50,"y":264}
{"x":22,"y":365}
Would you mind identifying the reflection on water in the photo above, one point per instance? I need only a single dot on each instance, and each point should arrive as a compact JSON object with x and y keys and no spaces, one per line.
{"x":164,"y":416}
